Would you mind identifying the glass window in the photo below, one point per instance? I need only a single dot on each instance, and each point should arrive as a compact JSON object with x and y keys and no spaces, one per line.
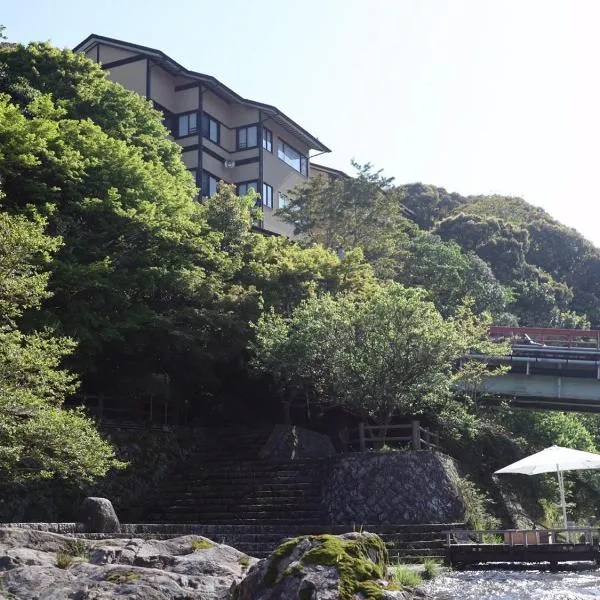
{"x":208,"y":186}
{"x":211,"y":128}
{"x":188,"y":124}
{"x":292,"y":157}
{"x":267,"y":195}
{"x":247,"y":137}
{"x":247,"y":185}
{"x":283,"y":200}
{"x":267,"y":139}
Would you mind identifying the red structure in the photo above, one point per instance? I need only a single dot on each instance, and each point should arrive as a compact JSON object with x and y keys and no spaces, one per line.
{"x":565,"y":338}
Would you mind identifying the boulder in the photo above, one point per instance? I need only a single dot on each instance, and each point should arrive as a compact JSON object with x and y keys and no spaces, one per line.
{"x":189,"y":567}
{"x":288,"y":442}
{"x":326,"y":567}
{"x":98,"y":516}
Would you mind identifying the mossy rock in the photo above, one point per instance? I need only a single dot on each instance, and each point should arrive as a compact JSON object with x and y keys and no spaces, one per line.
{"x":360,"y":562}
{"x":354,"y":564}
{"x":119,"y":577}
{"x":201,"y":544}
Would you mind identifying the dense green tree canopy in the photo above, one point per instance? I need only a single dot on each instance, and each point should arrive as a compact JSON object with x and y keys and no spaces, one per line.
{"x":38,"y":437}
{"x":390,"y":352}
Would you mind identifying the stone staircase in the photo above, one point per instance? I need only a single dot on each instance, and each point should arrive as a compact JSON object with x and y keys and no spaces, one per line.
{"x":226,"y":493}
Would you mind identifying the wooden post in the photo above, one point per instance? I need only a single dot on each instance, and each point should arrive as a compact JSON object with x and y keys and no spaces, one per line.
{"x":427,"y":439}
{"x":416,"y":435}
{"x":361,"y":436}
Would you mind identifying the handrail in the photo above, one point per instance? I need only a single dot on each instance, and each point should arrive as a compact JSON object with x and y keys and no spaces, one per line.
{"x":558,"y":337}
{"x":418,"y":437}
{"x":521,"y":537}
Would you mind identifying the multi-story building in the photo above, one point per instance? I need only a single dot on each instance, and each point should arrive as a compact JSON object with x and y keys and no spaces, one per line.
{"x":224,"y":136}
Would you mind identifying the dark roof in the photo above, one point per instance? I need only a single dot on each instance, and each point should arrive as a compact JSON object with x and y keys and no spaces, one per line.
{"x":210,"y":82}
{"x":329,"y":171}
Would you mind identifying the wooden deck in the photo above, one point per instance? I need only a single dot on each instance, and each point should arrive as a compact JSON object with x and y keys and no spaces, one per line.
{"x":524,"y":547}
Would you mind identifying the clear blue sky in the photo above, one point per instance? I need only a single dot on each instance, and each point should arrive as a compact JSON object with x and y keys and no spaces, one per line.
{"x":477,"y":96}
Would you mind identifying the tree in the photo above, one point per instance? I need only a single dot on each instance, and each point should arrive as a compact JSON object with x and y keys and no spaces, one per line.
{"x":450,"y":275}
{"x":342,"y":214}
{"x":142,"y":281}
{"x":390,"y":352}
{"x":39,"y":437}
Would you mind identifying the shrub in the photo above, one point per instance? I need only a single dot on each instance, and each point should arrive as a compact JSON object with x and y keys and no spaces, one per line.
{"x":404,"y":577}
{"x":63,"y":560}
{"x":431,"y":569}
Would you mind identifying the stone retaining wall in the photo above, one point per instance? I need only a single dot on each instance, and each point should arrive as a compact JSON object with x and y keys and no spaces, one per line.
{"x":393,"y":488}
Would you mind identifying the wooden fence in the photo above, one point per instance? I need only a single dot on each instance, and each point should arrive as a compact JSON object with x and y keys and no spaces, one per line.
{"x":412,"y":435}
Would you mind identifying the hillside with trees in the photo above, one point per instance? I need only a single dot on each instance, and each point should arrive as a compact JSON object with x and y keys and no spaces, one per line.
{"x":119,"y":281}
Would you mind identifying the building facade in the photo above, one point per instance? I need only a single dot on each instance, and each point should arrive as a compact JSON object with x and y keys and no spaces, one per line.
{"x":223,"y":136}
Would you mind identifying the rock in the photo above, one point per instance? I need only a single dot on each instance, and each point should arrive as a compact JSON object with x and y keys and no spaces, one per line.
{"x":188,"y":567}
{"x":326,"y":567}
{"x":98,"y":516}
{"x":288,"y":442}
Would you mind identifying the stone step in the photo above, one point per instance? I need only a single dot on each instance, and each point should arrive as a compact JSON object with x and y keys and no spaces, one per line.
{"x":243,"y":500}
{"x":226,"y":475}
{"x":278,"y":522}
{"x":268,"y":484}
{"x":257,"y":494}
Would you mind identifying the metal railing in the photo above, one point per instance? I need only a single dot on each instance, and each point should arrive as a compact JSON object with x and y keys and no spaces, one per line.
{"x":374,"y":437}
{"x":567,"y":338}
{"x":523,"y":537}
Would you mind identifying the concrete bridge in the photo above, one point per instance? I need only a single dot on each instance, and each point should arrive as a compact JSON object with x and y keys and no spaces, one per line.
{"x":555,"y":369}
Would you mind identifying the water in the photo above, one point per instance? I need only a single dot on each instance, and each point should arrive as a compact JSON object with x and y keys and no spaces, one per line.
{"x":511,"y":585}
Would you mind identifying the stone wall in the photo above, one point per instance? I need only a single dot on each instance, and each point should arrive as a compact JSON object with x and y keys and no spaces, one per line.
{"x":393,"y":488}
{"x":150,"y":455}
{"x":288,"y":442}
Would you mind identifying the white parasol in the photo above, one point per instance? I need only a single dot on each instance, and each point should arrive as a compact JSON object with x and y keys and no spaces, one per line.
{"x":555,"y":458}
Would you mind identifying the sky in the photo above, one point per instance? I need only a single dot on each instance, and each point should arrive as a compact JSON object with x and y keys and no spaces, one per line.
{"x":476,"y":96}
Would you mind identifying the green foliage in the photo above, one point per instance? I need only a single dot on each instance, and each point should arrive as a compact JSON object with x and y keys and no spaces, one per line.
{"x":40,"y":437}
{"x":476,"y":502}
{"x":121,"y":577}
{"x":363,"y":211}
{"x":277,"y":555}
{"x":390,"y":352}
{"x":145,"y":278}
{"x":201,"y":545}
{"x":404,"y":576}
{"x":431,"y":569}
{"x":78,"y":547}
{"x":360,"y":562}
{"x":450,"y":275}
{"x":353,"y":560}
{"x":64,"y":560}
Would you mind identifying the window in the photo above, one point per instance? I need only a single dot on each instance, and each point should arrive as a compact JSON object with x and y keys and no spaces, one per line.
{"x":292,"y":157}
{"x":211,"y":128}
{"x":243,"y":188}
{"x":194,"y":173}
{"x":188,"y":124}
{"x":283,"y":200}
{"x":267,"y":195}
{"x":247,"y":137}
{"x":208,"y":185}
{"x":267,"y":139}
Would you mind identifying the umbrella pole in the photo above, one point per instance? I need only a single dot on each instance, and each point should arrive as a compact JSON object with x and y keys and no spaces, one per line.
{"x":563,"y":502}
